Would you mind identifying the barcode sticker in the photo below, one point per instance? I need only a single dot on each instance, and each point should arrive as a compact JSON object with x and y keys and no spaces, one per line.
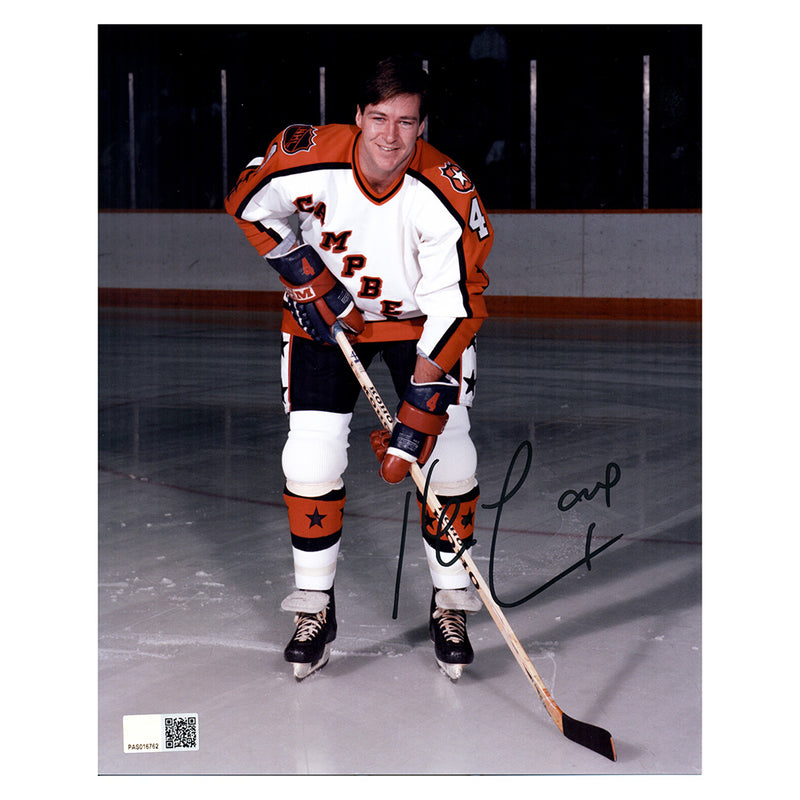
{"x":154,"y":733}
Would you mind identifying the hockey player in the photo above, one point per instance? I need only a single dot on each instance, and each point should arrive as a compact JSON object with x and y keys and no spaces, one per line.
{"x":390,"y":237}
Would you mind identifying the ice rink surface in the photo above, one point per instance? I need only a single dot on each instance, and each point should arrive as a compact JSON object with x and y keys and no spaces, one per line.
{"x":194,"y":559}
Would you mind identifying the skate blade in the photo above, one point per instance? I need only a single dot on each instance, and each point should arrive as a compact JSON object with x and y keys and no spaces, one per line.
{"x":453,"y":671}
{"x":304,"y":670}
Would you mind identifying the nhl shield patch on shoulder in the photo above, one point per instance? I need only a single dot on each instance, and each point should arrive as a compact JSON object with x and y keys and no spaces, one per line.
{"x":298,"y":138}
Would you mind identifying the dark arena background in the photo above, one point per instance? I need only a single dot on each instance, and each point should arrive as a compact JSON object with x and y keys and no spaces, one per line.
{"x":547,"y":116}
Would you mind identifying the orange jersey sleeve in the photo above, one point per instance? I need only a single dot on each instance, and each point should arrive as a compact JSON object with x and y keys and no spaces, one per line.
{"x":263,"y":215}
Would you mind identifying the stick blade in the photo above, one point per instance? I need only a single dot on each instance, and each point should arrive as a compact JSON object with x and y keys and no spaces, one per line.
{"x":590,"y":736}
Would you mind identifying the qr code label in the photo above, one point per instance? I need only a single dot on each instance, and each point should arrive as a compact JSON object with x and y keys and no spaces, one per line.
{"x":180,"y":733}
{"x":153,"y":733}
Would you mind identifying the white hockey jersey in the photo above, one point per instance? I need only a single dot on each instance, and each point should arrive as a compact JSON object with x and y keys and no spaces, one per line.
{"x":411,"y":258}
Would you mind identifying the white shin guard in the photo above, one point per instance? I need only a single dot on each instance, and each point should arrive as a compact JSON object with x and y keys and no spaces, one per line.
{"x":315,"y":454}
{"x":315,"y":571}
{"x":454,"y":460}
{"x":453,"y":576}
{"x":314,"y":459}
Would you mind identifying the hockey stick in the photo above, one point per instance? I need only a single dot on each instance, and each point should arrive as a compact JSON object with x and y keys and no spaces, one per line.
{"x":582,"y":733}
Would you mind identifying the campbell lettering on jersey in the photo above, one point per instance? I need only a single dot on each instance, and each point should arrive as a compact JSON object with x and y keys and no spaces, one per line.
{"x":391,"y":308}
{"x":306,"y":204}
{"x":370,"y":287}
{"x":351,"y":264}
{"x":337,"y":242}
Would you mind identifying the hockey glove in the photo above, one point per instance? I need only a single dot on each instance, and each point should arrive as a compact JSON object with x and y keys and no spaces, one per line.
{"x":314,"y":296}
{"x":421,"y":417}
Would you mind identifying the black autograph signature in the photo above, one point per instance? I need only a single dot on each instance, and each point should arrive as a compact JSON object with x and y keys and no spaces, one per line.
{"x":566,"y":501}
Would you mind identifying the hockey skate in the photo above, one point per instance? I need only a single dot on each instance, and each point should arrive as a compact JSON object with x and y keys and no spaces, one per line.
{"x":448,"y":629}
{"x":315,"y":621}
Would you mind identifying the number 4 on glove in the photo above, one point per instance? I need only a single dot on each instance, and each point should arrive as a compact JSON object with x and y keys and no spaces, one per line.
{"x":421,"y":417}
{"x":315,"y":297}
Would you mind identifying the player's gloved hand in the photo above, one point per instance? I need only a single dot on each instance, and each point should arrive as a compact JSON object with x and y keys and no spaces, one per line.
{"x":379,"y":440}
{"x":315,"y":297}
{"x":421,"y":417}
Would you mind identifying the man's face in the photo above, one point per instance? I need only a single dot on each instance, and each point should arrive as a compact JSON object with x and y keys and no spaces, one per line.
{"x":390,"y":131}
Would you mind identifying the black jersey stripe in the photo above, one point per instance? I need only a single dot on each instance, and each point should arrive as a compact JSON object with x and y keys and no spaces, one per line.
{"x":445,"y":339}
{"x":298,"y":170}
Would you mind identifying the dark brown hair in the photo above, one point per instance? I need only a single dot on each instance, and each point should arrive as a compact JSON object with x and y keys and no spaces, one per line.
{"x":394,"y":76}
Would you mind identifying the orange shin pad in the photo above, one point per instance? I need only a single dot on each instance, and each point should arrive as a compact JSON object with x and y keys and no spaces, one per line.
{"x":315,"y":522}
{"x":460,"y":510}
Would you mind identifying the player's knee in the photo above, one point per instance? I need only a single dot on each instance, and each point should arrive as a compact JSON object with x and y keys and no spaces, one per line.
{"x":454,"y":460}
{"x":315,"y":454}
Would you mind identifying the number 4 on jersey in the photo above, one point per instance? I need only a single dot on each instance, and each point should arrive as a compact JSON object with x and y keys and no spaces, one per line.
{"x":477,"y":219}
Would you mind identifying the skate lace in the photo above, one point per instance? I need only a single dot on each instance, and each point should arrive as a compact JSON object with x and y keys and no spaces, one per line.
{"x":452,"y":624}
{"x":308,"y":626}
